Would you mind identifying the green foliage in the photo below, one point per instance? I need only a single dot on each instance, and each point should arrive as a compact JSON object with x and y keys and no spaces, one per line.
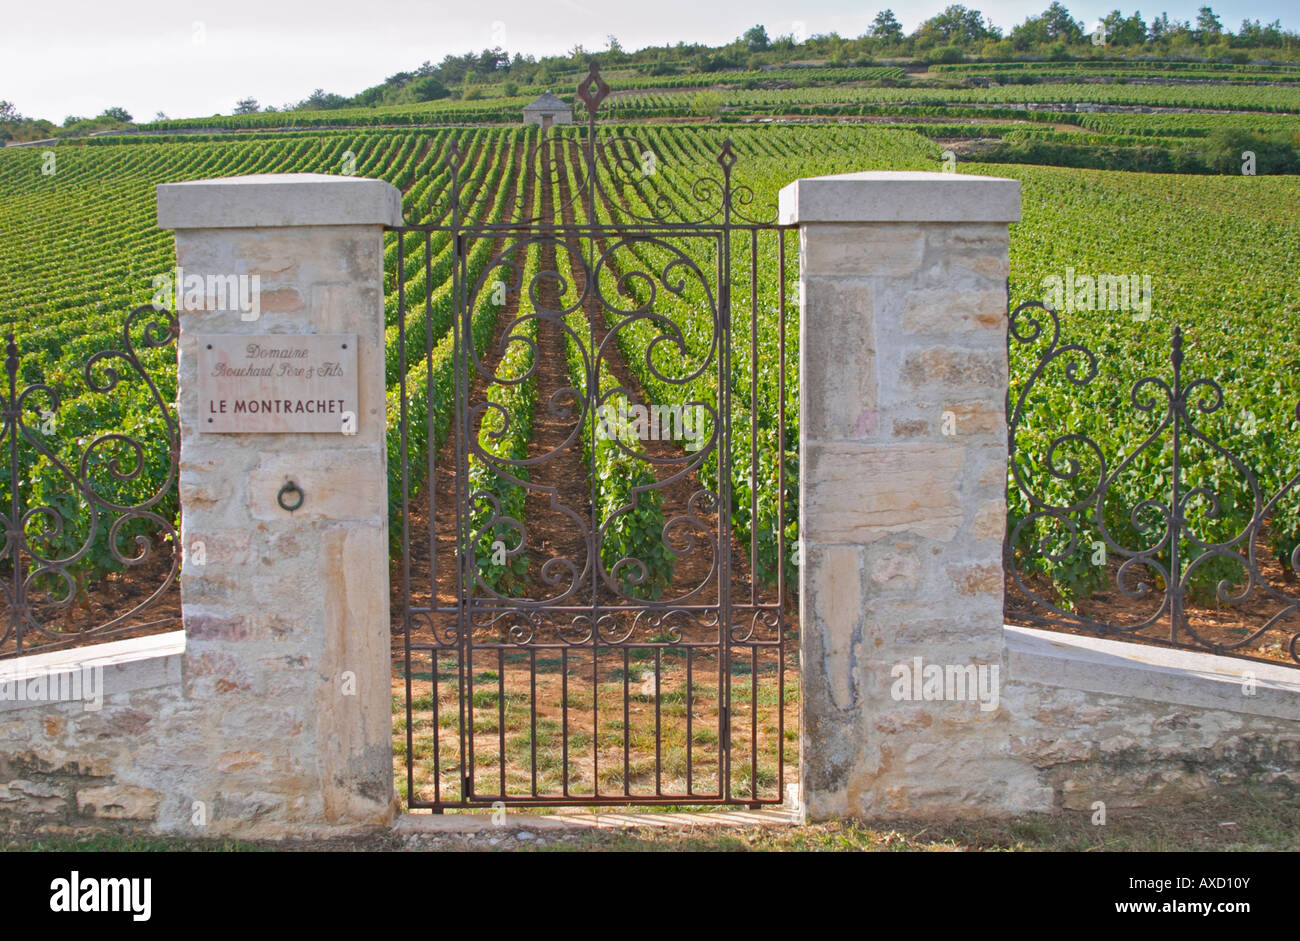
{"x":706,"y":104}
{"x":428,"y":89}
{"x":1227,"y":148}
{"x":1083,"y":154}
{"x":629,"y":510}
{"x":632,"y":511}
{"x":1237,"y":334}
{"x":755,"y":38}
{"x":505,"y":432}
{"x":946,"y":54}
{"x":430,"y":386}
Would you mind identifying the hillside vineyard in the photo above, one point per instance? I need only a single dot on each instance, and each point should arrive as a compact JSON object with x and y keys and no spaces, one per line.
{"x":83,"y":249}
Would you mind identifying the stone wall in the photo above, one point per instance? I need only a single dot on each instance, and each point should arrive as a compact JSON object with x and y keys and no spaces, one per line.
{"x":277,"y":717}
{"x":903,"y":383}
{"x":1135,"y":726}
{"x":113,"y":758}
{"x":270,"y":714}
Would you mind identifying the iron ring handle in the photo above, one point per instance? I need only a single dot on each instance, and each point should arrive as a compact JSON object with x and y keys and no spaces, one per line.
{"x":289,"y":489}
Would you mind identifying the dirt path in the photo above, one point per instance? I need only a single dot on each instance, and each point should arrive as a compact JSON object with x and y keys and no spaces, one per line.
{"x":558,"y":514}
{"x":433,"y":575}
{"x":561,"y":472}
{"x":697,"y":568}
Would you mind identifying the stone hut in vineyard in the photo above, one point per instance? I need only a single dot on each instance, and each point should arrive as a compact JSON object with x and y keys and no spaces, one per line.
{"x":546,"y":109}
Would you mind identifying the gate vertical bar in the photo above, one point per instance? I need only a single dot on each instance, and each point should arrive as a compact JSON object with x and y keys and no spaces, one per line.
{"x":406,"y":514}
{"x":780,"y":513}
{"x":431,"y":478}
{"x":13,"y":418}
{"x":726,"y":159}
{"x":1177,"y":521}
{"x":462,"y":339}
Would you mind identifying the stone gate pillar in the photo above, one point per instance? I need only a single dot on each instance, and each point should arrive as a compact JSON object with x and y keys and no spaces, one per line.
{"x":286,"y":610}
{"x":903,"y":449}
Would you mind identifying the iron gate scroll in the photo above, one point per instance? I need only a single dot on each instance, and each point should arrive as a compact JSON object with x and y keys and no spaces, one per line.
{"x":89,"y":498}
{"x":593,"y":479}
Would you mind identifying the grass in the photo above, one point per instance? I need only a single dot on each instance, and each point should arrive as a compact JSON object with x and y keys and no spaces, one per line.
{"x":1260,"y":822}
{"x":130,"y":843}
{"x":661,"y":724}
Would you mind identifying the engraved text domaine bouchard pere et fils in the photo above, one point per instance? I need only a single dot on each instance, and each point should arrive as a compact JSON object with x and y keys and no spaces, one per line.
{"x":267,"y":384}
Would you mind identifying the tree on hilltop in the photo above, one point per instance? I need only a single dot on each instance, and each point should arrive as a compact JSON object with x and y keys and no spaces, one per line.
{"x":1208,"y":24}
{"x":1055,"y":24}
{"x":956,"y":25}
{"x":886,"y":27}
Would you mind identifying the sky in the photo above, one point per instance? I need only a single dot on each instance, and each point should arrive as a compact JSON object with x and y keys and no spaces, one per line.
{"x":187,"y":58}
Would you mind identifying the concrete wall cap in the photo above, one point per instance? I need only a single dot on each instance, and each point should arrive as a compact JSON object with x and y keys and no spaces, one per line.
{"x":900,"y":196}
{"x":1163,"y":675}
{"x":110,"y":653}
{"x":127,"y":665}
{"x":278,"y":200}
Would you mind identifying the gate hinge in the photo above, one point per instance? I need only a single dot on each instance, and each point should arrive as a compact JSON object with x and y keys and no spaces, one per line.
{"x":460,"y":243}
{"x":466,"y":786}
{"x":726,"y":726}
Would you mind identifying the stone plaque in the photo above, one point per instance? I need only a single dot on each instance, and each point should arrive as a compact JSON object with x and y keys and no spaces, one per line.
{"x":278,"y":382}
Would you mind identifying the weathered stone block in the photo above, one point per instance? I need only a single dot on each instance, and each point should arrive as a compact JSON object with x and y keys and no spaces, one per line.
{"x":837,"y":371}
{"x":991,"y":520}
{"x":852,"y":251}
{"x":956,"y":370}
{"x":945,"y":311}
{"x":858,"y":494}
{"x":119,"y":802}
{"x":338,"y":485}
{"x":896,"y":571}
{"x":977,"y":579}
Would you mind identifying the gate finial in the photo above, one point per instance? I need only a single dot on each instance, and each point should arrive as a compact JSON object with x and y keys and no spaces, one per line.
{"x":727,"y":156}
{"x":592,"y":89}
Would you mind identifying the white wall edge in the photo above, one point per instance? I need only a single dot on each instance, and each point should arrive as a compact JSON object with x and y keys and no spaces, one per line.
{"x":278,"y":200}
{"x":899,"y":196}
{"x":125,"y":665}
{"x":1155,"y":674}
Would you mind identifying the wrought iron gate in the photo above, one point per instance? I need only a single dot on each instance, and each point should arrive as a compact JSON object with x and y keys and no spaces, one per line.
{"x":594,"y":478}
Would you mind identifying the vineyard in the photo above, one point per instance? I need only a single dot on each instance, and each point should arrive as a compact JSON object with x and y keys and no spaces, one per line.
{"x":1247,"y":98}
{"x":567,"y":504}
{"x":967,"y":89}
{"x":737,"y":100}
{"x":1111,"y":69}
{"x":82,"y":251}
{"x":596,"y":322}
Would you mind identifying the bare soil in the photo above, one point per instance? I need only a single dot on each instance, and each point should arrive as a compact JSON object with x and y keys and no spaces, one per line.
{"x":551,"y":719}
{"x":1228,"y":627}
{"x":96,"y":604}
